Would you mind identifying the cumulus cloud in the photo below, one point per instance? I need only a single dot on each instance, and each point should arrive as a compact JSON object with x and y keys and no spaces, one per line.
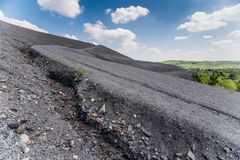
{"x":180,"y":38}
{"x":67,"y":8}
{"x":132,"y":13}
{"x":234,"y":34}
{"x":202,"y":21}
{"x":122,"y":37}
{"x":21,"y":23}
{"x":71,"y":37}
{"x":207,"y":36}
{"x":107,"y":11}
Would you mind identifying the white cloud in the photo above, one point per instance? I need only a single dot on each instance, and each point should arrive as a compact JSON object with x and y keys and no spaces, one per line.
{"x":207,"y":36}
{"x":67,"y":8}
{"x":222,"y":42}
{"x":71,"y":37}
{"x":122,"y":37}
{"x":234,"y":34}
{"x":132,"y":13}
{"x":180,"y":38}
{"x":21,"y":23}
{"x":202,"y":21}
{"x":107,"y":11}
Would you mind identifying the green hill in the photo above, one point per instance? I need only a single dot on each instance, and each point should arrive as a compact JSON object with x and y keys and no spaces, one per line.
{"x":203,"y":65}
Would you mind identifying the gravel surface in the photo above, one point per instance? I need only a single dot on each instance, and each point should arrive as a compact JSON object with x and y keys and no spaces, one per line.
{"x":37,"y":115}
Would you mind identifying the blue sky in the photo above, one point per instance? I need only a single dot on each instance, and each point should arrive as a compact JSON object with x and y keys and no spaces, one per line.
{"x":153,"y":30}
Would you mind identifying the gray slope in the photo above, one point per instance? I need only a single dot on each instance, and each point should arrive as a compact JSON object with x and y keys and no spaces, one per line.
{"x":216,"y":111}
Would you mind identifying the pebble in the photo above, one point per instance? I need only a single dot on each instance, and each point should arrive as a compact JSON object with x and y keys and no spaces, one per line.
{"x":220,"y":158}
{"x":25,"y":139}
{"x":102,"y":109}
{"x":20,"y":130}
{"x":134,"y":115}
{"x":147,"y":133}
{"x":75,"y":156}
{"x":226,"y":149}
{"x":13,"y":125}
{"x":179,"y":154}
{"x":163,"y":157}
{"x":191,"y":155}
{"x":4,"y":87}
{"x":26,"y":150}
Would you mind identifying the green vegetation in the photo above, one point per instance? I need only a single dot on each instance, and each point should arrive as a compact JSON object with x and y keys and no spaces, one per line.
{"x":206,"y":64}
{"x":78,"y":70}
{"x":224,"y":74}
{"x":228,"y":78}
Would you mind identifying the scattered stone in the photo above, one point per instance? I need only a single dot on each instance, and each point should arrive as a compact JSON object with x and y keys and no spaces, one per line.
{"x":147,"y":133}
{"x":163,"y":157}
{"x":30,"y":129}
{"x":13,"y":125}
{"x":179,"y":154}
{"x":92,"y":100}
{"x":4,"y":87}
{"x":226,"y":149}
{"x":102,"y":109}
{"x":75,"y":156}
{"x":25,"y":139}
{"x":20,"y":130}
{"x":94,"y":115}
{"x":220,"y":158}
{"x":23,"y":121}
{"x":13,"y":109}
{"x":134,"y":115}
{"x":1,"y":92}
{"x":194,"y":147}
{"x":191,"y":155}
{"x":116,"y":129}
{"x":21,"y":91}
{"x":99,"y":120}
{"x":26,"y":150}
{"x":138,"y":125}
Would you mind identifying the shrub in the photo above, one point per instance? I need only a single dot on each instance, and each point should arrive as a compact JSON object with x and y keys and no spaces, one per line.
{"x":229,"y":84}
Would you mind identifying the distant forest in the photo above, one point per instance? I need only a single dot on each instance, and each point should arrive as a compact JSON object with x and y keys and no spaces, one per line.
{"x":224,"y":74}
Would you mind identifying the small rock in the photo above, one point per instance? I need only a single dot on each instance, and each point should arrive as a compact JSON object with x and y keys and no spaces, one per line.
{"x":21,"y":91}
{"x":20,"y":130}
{"x":116,"y":129}
{"x":23,"y":121}
{"x":30,"y":129}
{"x":191,"y":155}
{"x":147,"y":133}
{"x":13,"y":125}
{"x":179,"y":154}
{"x":163,"y":157}
{"x":99,"y":120}
{"x":194,"y":147}
{"x":102,"y":109}
{"x":1,"y":92}
{"x":92,"y":100}
{"x":220,"y":158}
{"x":94,"y":115}
{"x":72,"y":143}
{"x":138,"y":125}
{"x":26,"y":150}
{"x":4,"y":87}
{"x":25,"y":139}
{"x":226,"y":149}
{"x":75,"y":156}
{"x":134,"y":115}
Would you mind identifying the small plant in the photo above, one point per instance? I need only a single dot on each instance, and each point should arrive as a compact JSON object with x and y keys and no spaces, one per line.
{"x":52,"y":58}
{"x":82,"y":72}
